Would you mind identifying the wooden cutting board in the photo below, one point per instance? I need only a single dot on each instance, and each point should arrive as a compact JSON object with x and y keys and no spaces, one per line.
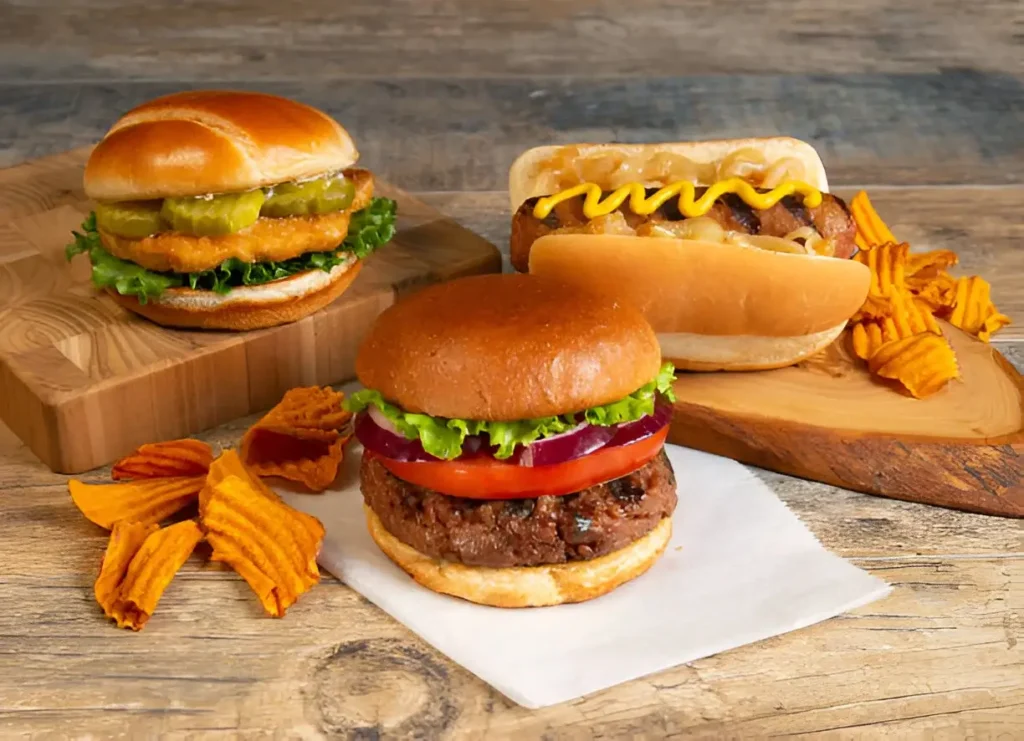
{"x":829,"y":420}
{"x":83,"y":382}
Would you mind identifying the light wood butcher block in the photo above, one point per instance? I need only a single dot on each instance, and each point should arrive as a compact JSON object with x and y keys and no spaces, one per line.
{"x":829,"y":420}
{"x":83,"y":381}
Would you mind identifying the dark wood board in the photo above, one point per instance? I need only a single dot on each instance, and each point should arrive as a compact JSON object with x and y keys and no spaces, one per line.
{"x":264,"y":39}
{"x":829,"y":420}
{"x":83,"y":381}
{"x":952,"y":126}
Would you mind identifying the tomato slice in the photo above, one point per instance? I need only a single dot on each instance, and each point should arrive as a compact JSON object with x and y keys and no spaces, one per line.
{"x":487,"y":478}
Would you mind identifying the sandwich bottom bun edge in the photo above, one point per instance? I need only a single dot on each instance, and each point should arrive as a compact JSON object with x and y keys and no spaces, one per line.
{"x":533,"y":586}
{"x":247,"y":307}
{"x":697,"y":352}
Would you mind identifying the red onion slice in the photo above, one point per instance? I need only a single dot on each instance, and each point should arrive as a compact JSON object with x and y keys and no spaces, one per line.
{"x":566,"y":446}
{"x":387,"y":442}
{"x":382,"y":421}
{"x":630,"y":432}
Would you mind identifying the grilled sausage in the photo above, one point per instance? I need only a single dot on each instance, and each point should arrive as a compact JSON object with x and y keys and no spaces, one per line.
{"x":832,"y":220}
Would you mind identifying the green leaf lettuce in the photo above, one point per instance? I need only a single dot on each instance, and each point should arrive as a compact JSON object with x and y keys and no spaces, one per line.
{"x":369,"y":229}
{"x":444,"y":438}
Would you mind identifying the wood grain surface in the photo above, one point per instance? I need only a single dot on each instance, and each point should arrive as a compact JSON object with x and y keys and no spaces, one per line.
{"x":921,"y":102}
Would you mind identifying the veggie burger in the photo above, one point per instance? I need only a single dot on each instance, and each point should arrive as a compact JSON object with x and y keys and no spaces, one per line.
{"x":513,"y":429}
{"x":228,"y":210}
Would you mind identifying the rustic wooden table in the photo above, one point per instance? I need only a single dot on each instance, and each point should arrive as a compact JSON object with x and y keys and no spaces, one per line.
{"x":921,"y":105}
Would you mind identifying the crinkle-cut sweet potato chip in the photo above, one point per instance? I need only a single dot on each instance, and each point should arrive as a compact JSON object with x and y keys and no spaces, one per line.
{"x":301,"y":439}
{"x":888,"y":265}
{"x":228,"y":463}
{"x":895,"y":330}
{"x":938,"y":292}
{"x":150,"y":567}
{"x":924,"y":363}
{"x":992,"y":324}
{"x":271,"y":545}
{"x":125,"y":540}
{"x":925,"y":266}
{"x":148,"y":501}
{"x":871,"y":230}
{"x":169,"y":459}
{"x":905,"y":317}
{"x":973,"y":310}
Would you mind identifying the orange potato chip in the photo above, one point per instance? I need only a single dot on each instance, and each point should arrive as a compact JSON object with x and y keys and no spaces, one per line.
{"x":927,"y":265}
{"x":866,"y":338}
{"x":871,"y":230}
{"x":938,"y":292}
{"x":887,"y":263}
{"x":300,"y":439}
{"x":271,"y":545}
{"x":991,"y":325}
{"x":874,"y":307}
{"x":924,"y":363}
{"x":896,"y":317}
{"x":972,"y":304}
{"x":125,"y":540}
{"x":973,"y":310}
{"x":147,"y":502}
{"x":165,"y":460}
{"x":150,"y":569}
{"x":228,"y":463}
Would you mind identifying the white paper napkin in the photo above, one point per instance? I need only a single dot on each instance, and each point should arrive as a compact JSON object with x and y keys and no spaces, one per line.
{"x":740,"y":568}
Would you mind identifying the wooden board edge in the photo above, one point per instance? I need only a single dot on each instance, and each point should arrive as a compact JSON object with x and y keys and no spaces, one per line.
{"x":983,"y":477}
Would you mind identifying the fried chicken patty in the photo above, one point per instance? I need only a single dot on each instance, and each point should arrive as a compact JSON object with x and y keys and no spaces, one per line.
{"x":267,"y":240}
{"x":522,"y":532}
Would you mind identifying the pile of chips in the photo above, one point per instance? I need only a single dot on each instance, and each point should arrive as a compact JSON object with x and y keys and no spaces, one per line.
{"x":896,"y":331}
{"x":272,"y":546}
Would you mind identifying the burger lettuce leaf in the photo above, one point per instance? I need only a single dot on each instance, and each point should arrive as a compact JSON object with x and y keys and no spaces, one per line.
{"x":444,"y":438}
{"x":369,"y":229}
{"x":637,"y":404}
{"x":108,"y":271}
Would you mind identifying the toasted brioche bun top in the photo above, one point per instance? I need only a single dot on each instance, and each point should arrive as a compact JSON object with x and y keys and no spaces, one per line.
{"x":507,"y":347}
{"x":529,"y":176}
{"x":214,"y":141}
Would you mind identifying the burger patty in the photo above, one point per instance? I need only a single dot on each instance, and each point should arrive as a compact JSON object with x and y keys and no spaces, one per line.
{"x":522,"y":532}
{"x":267,"y":240}
{"x":831,"y":219}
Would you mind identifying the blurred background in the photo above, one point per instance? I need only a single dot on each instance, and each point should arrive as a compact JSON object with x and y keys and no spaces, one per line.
{"x":441,"y":95}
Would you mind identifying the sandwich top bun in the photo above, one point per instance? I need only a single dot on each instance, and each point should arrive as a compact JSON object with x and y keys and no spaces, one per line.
{"x":214,"y":141}
{"x":531,"y":176}
{"x":714,"y":305}
{"x":507,"y":347}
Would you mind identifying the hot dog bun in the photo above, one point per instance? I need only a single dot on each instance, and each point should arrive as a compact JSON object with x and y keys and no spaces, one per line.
{"x":714,"y":306}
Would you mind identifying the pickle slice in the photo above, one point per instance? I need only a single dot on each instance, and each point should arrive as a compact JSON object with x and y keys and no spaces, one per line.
{"x":320,"y":196}
{"x":132,"y":219}
{"x":211,"y":217}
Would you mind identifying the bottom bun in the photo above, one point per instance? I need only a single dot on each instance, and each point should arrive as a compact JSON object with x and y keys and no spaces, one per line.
{"x":528,"y":586}
{"x":700,"y":352}
{"x":247,"y":307}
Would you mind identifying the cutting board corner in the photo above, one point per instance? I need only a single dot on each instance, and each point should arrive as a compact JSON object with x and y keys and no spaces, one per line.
{"x":83,"y":382}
